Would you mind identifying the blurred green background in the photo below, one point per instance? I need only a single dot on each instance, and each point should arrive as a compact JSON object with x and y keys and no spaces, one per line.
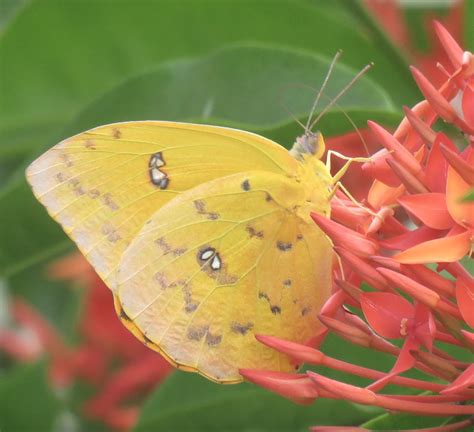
{"x":70,"y":65}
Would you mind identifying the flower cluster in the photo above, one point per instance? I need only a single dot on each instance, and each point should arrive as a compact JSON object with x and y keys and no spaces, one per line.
{"x":109,"y":358}
{"x":413,"y":215}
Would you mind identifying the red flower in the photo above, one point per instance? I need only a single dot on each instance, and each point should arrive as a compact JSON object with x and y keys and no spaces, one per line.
{"x":414,"y":208}
{"x":121,"y":368}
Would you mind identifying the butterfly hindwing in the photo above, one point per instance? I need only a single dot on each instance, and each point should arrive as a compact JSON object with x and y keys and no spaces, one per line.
{"x":104,"y":184}
{"x":222,"y":262}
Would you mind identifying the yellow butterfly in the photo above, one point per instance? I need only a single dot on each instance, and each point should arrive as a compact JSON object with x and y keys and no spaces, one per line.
{"x":202,"y":233}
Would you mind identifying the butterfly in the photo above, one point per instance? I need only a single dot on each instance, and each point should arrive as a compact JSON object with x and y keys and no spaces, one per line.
{"x":202,"y":233}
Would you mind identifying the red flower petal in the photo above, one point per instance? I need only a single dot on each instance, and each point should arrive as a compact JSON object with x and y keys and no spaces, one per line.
{"x":405,"y":361}
{"x":450,"y":45}
{"x":447,"y":249}
{"x":436,"y":168}
{"x":468,"y":105}
{"x":424,"y":326}
{"x":462,"y":382}
{"x":410,"y":238}
{"x":298,"y":388}
{"x":462,"y":167}
{"x":399,"y":152}
{"x":381,"y":195}
{"x":386,"y":313}
{"x":342,"y":236}
{"x":363,"y":269}
{"x":456,"y":189}
{"x":430,"y":208}
{"x":465,"y":300}
{"x":379,"y":169}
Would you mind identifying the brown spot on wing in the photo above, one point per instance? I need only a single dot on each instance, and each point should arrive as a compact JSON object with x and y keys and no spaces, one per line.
{"x":241,"y":328}
{"x":245,"y":185}
{"x":89,"y":144}
{"x":66,"y":159}
{"x":110,"y":232}
{"x":196,"y":333}
{"x":93,"y":193}
{"x":60,"y":177}
{"x":275,"y":310}
{"x":116,"y":133}
{"x":284,"y":246}
{"x":109,"y":202}
{"x":124,"y":316}
{"x":161,"y":279}
{"x":253,"y":232}
{"x":213,"y":339}
{"x":167,"y":248}
{"x":200,"y":206}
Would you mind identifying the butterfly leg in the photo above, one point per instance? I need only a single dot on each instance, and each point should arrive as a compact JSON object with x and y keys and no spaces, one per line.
{"x":340,"y":186}
{"x":346,"y":166}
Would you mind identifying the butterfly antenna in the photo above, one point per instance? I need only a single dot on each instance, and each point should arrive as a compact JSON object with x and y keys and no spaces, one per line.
{"x":356,"y":129}
{"x":288,"y":110}
{"x":340,"y":94}
{"x":320,"y":92}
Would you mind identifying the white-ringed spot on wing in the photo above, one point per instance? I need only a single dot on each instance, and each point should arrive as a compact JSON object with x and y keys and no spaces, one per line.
{"x":209,"y":255}
{"x":157,"y":176}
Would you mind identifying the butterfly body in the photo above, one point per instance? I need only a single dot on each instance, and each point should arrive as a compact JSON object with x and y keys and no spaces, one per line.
{"x":202,"y":233}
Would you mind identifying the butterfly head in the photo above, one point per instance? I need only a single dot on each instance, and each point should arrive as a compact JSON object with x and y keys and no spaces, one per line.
{"x":308,"y":144}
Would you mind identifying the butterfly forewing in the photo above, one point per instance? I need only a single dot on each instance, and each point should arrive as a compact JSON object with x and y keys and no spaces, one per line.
{"x":104,"y":184}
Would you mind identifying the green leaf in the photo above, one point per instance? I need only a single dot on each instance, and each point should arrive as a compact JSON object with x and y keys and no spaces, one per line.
{"x":399,"y":422}
{"x":26,"y":400}
{"x":468,"y":25}
{"x":218,"y":89}
{"x":187,"y":402}
{"x":469,"y":196}
{"x":87,"y":48}
{"x":215,"y":86}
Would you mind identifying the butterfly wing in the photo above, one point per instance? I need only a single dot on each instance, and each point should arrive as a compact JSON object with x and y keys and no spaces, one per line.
{"x":222,"y":262}
{"x":104,"y":184}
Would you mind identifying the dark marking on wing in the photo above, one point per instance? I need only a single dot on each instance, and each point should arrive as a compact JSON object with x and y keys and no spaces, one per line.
{"x":245,"y":185}
{"x":284,"y":246}
{"x":167,"y":248}
{"x":213,"y":339}
{"x":275,"y":310}
{"x":196,"y":333}
{"x":109,"y":202}
{"x":110,"y":232}
{"x":93,"y":193}
{"x":241,"y":328}
{"x":89,"y":144}
{"x":253,"y":232}
{"x":157,"y":176}
{"x":200,"y":206}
